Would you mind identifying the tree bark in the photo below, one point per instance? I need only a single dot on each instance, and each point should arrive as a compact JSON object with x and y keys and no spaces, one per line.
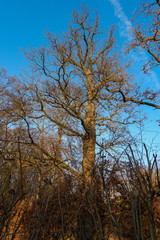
{"x":89,"y":139}
{"x":151,"y":220}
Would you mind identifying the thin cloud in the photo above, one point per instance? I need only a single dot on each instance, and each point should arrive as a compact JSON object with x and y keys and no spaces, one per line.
{"x":125,"y":26}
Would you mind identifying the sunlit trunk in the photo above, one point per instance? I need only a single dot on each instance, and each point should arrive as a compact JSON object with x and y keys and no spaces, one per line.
{"x":89,"y":140}
{"x":88,"y":156}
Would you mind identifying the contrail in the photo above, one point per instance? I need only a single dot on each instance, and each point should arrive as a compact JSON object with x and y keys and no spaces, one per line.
{"x":125,"y":27}
{"x":125,"y":23}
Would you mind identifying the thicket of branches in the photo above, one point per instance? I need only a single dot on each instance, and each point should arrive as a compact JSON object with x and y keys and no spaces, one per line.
{"x":58,"y":179}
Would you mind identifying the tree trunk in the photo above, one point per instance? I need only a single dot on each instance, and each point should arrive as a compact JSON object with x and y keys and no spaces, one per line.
{"x":89,"y":142}
{"x":151,"y":220}
{"x":88,"y":156}
{"x":89,"y":139}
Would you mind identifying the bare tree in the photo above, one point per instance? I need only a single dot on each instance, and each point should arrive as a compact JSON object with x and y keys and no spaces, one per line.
{"x":146,"y":34}
{"x":81,"y":77}
{"x":146,"y":182}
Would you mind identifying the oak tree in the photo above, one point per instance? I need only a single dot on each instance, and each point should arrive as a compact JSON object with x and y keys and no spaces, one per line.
{"x":81,"y":85}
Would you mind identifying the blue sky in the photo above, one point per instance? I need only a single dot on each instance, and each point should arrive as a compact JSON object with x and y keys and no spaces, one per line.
{"x":24,"y":23}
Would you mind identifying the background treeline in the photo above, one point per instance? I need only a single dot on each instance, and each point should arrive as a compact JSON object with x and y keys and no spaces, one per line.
{"x":69,"y":168}
{"x":42,"y":201}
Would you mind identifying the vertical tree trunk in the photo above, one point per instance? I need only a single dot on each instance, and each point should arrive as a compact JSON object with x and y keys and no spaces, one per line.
{"x":88,"y":156}
{"x":89,"y":140}
{"x":151,"y":220}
